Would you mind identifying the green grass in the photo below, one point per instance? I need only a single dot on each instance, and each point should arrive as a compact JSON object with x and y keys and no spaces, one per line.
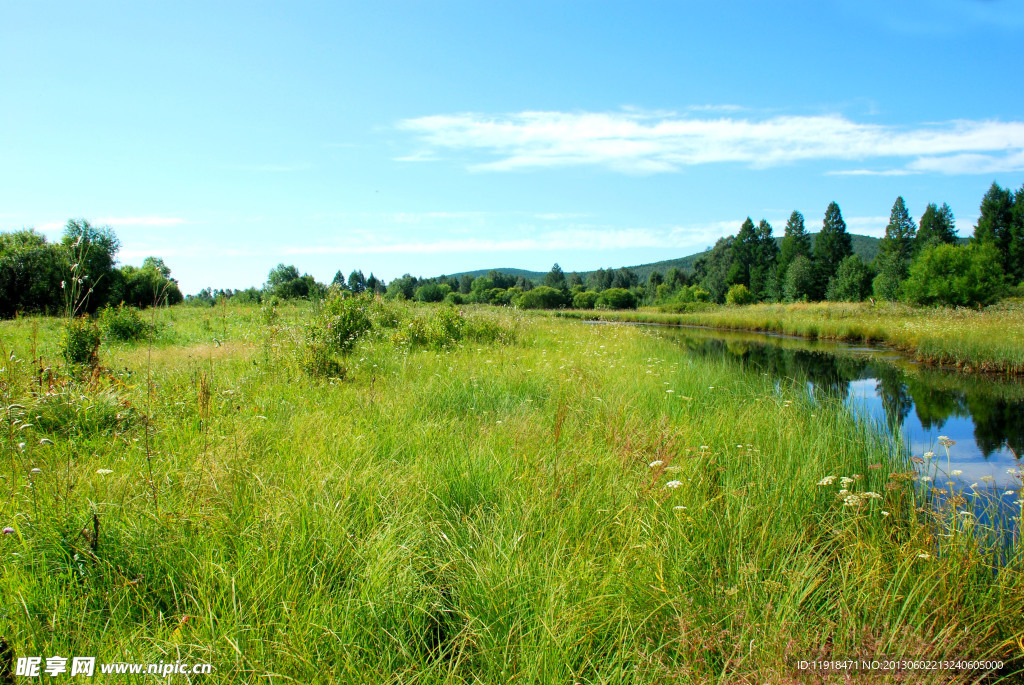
{"x":990,"y":340}
{"x":480,"y":512}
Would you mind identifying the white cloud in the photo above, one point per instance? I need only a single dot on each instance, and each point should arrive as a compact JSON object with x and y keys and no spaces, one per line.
{"x":644,"y":143}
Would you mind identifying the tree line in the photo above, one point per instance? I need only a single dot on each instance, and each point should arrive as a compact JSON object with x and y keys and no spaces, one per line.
{"x":78,"y":274}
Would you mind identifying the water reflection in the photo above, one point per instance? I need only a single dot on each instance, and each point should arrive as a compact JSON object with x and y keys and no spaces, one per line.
{"x":984,"y":415}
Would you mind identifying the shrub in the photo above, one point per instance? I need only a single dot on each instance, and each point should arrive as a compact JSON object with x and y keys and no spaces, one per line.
{"x":616,"y":298}
{"x":955,"y":275}
{"x":739,"y":294}
{"x":852,"y":282}
{"x":339,"y":324}
{"x":432,"y":292}
{"x":542,"y":297}
{"x":80,"y":342}
{"x":318,"y":360}
{"x":800,"y":279}
{"x":123,"y":323}
{"x":453,"y":299}
{"x":585,"y":300}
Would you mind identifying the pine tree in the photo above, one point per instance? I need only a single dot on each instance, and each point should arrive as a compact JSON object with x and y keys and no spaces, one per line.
{"x":832,"y":245}
{"x":937,"y":227}
{"x":996,"y":223}
{"x":1015,"y":255}
{"x":744,"y":254}
{"x":796,"y":241}
{"x":555,"y":278}
{"x":765,"y":262}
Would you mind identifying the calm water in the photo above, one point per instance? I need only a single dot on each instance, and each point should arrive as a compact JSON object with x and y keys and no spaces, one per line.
{"x":984,"y":415}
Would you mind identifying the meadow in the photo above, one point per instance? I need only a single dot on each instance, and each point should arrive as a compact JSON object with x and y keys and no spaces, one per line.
{"x":987,"y":340}
{"x":472,"y":495}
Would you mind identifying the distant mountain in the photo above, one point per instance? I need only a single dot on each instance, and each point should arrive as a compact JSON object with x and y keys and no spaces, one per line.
{"x":865,"y":246}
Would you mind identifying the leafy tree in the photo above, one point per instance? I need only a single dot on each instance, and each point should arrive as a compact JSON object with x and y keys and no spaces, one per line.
{"x":894,"y":252}
{"x":465,"y":284}
{"x":852,"y":282}
{"x":92,"y":251}
{"x":585,"y":299}
{"x":616,"y":298}
{"x":556,"y":279}
{"x":145,"y":286}
{"x":956,"y":275}
{"x":524,"y":284}
{"x":654,"y":279}
{"x":573,"y":280}
{"x":832,"y":245}
{"x":543,"y":297}
{"x":402,"y":288}
{"x":801,"y":279}
{"x":280,"y":275}
{"x":739,"y":294}
{"x":675,"y":278}
{"x":600,"y":280}
{"x":796,"y":242}
{"x":432,"y":292}
{"x":937,"y":227}
{"x":31,"y":271}
{"x":624,"y":278}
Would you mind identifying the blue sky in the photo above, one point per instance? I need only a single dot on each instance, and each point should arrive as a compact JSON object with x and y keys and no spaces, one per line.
{"x":434,"y":137}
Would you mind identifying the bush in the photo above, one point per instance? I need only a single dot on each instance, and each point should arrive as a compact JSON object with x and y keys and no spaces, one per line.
{"x":123,"y":323}
{"x":432,"y":292}
{"x":616,"y":298}
{"x":585,"y":300}
{"x":80,"y":342}
{"x":318,"y":360}
{"x":453,"y":299}
{"x":955,"y":275}
{"x":800,"y":279}
{"x":852,"y":282}
{"x":542,"y":297}
{"x":739,"y":294}
{"x":339,"y":324}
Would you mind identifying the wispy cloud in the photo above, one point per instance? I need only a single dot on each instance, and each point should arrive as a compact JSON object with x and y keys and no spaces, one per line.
{"x":645,"y":143}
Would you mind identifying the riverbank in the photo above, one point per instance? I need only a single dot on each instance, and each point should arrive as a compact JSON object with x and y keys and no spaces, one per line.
{"x":562,"y":504}
{"x":991,"y":340}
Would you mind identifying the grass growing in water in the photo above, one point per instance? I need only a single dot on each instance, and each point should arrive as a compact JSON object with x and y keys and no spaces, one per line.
{"x":545,"y":502}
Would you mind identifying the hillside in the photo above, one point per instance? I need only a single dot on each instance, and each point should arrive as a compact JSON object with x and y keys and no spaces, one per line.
{"x":865,"y":246}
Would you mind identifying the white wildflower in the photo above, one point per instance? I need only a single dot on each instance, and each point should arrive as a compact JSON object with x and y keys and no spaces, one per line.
{"x":103,"y":472}
{"x":673,"y":484}
{"x":827,"y":480}
{"x":656,"y":463}
{"x":956,"y":472}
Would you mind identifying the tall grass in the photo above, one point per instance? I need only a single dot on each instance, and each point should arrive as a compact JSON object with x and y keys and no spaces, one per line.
{"x":560,"y":504}
{"x":989,"y":340}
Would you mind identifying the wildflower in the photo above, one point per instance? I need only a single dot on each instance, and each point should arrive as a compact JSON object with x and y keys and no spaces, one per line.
{"x":670,"y":390}
{"x":1019,"y":502}
{"x":843,"y":493}
{"x":884,"y":512}
{"x":1008,"y":492}
{"x":8,"y":530}
{"x":871,"y":495}
{"x":955,"y":472}
{"x":987,"y":478}
{"x":103,"y":472}
{"x":974,"y":485}
{"x":678,"y":508}
{"x":704,"y":447}
{"x":929,"y":455}
{"x":36,"y":472}
{"x":827,"y":480}
{"x":45,"y":441}
{"x":874,"y":467}
{"x":917,"y":460}
{"x":656,"y":463}
{"x":924,"y":555}
{"x":925,"y":479}
{"x":673,"y":484}
{"x":21,"y":445}
{"x":851,"y":501}
{"x":846,"y":480}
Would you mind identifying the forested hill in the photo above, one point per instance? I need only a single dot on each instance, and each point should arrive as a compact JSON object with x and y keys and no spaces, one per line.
{"x":865,"y":246}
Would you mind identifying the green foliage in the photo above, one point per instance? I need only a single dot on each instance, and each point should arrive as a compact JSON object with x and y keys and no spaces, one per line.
{"x":403,"y":288}
{"x":616,"y":298}
{"x":286,"y":283}
{"x":31,"y":271}
{"x":340,"y":324}
{"x":80,"y":341}
{"x":543,"y":297}
{"x":937,"y":227}
{"x":954,"y":275}
{"x":586,"y":299}
{"x":801,"y":279}
{"x":739,"y":294}
{"x":91,"y":252}
{"x":122,"y":323}
{"x":142,"y":287}
{"x":453,"y":299}
{"x":556,"y":279}
{"x":852,"y":282}
{"x":831,"y":246}
{"x":795,"y":242}
{"x":432,"y":292}
{"x":712,"y":270}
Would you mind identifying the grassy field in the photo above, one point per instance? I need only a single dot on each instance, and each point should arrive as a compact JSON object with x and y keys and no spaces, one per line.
{"x":510,"y":499}
{"x":989,"y":340}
